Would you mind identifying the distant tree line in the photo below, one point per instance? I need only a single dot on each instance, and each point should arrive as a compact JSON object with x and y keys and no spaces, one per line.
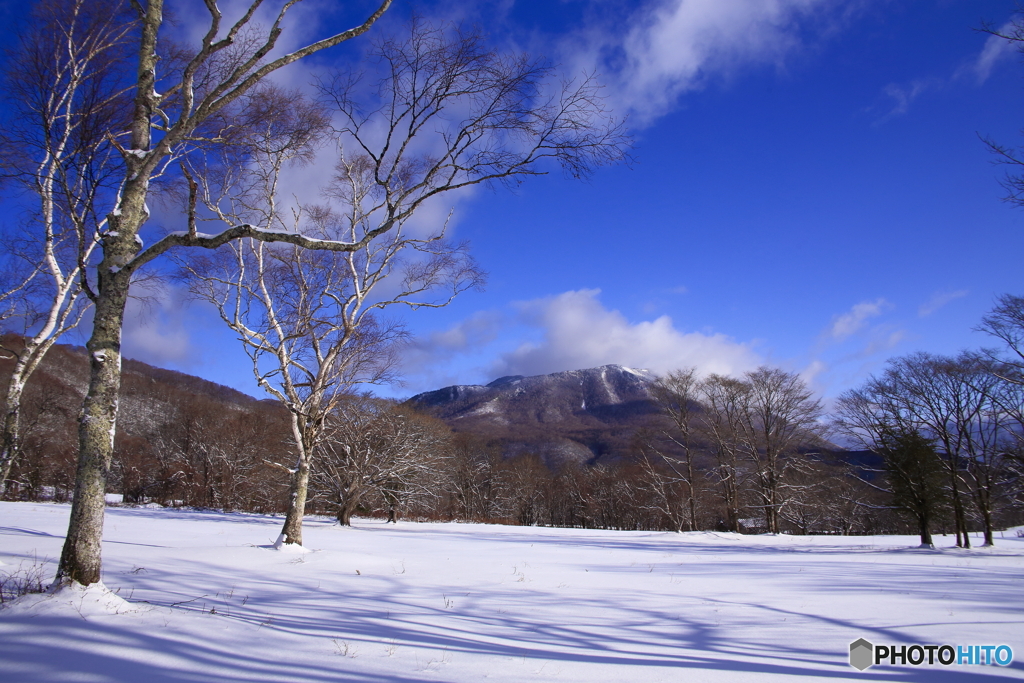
{"x":941,"y":451}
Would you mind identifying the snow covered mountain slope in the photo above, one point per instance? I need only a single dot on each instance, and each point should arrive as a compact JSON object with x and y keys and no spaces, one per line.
{"x":578,"y":414}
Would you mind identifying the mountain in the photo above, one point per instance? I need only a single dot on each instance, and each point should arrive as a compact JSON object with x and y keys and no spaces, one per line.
{"x":581,"y":415}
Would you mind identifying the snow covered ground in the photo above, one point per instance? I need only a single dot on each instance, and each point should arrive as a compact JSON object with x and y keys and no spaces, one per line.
{"x":209,"y":600}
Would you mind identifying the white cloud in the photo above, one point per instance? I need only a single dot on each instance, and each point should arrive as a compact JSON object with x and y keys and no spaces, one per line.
{"x":813,"y":370}
{"x":479,"y":329}
{"x":853,"y":321}
{"x":995,"y":50}
{"x":938,"y":300}
{"x":674,"y":46}
{"x":579,"y":332}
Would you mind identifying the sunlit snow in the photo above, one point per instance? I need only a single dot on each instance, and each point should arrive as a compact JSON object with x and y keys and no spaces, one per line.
{"x":208,"y":599}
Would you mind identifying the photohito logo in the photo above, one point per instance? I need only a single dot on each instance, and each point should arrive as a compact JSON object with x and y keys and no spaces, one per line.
{"x":863,"y":654}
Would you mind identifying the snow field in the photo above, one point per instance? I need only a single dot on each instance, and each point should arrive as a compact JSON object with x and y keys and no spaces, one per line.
{"x":202,"y":596}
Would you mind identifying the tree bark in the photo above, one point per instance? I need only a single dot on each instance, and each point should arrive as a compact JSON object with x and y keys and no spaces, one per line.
{"x":958,"y":509}
{"x":81,"y":558}
{"x":11,"y":445}
{"x":926,"y":532}
{"x":693,"y":497}
{"x":345,"y":512}
{"x":298,"y":489}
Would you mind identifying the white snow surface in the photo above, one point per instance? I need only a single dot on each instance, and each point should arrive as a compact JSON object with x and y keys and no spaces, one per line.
{"x":202,"y":596}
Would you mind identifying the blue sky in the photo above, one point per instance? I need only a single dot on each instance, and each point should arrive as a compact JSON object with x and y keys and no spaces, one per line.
{"x":809,"y":191}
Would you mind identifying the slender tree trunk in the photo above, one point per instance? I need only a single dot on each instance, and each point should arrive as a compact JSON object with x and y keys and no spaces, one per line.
{"x":729,"y":497}
{"x":28,"y":360}
{"x":693,"y":495}
{"x":297,"y":491}
{"x":12,"y":418}
{"x":985,"y":507}
{"x":958,"y":512}
{"x":925,"y":527}
{"x":983,"y":500}
{"x":773,"y":499}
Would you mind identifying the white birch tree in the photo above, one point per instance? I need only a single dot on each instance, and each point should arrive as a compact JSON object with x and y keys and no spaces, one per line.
{"x":170,"y":114}
{"x":446,"y":113}
{"x":66,"y":96}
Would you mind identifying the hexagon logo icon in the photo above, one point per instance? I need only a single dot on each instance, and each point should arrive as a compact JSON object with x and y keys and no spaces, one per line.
{"x":862,"y":654}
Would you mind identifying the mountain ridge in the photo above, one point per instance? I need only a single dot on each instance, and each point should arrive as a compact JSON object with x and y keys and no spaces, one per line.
{"x":582,"y":415}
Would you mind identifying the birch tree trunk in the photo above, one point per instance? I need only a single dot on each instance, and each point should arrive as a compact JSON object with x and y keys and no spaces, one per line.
{"x":64,"y":102}
{"x":81,"y":559}
{"x":298,"y":489}
{"x":11,"y":445}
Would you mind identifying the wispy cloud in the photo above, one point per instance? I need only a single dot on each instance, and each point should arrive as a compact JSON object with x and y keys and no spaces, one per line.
{"x":938,"y":300}
{"x":995,"y":50}
{"x":900,"y":97}
{"x":854,"y":320}
{"x":666,"y":48}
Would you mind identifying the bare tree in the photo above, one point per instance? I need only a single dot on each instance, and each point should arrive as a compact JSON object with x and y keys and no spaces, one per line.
{"x":723,"y":402}
{"x":67,"y":97}
{"x":877,"y":417}
{"x":375,"y":448}
{"x":676,"y":395}
{"x":182,"y":100}
{"x":1005,"y":322}
{"x":979,"y":426}
{"x":780,"y":416}
{"x":446,"y":114}
{"x":182,"y":107}
{"x":470,"y":478}
{"x":309,"y":320}
{"x":959,"y":403}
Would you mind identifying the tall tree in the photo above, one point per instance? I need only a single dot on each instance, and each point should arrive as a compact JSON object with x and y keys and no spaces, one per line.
{"x":66,"y":97}
{"x":878,"y":418}
{"x":444,"y":113}
{"x":182,"y":108}
{"x":780,"y":416}
{"x":915,"y":477}
{"x":723,"y":401}
{"x":676,"y":395}
{"x":960,"y":403}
